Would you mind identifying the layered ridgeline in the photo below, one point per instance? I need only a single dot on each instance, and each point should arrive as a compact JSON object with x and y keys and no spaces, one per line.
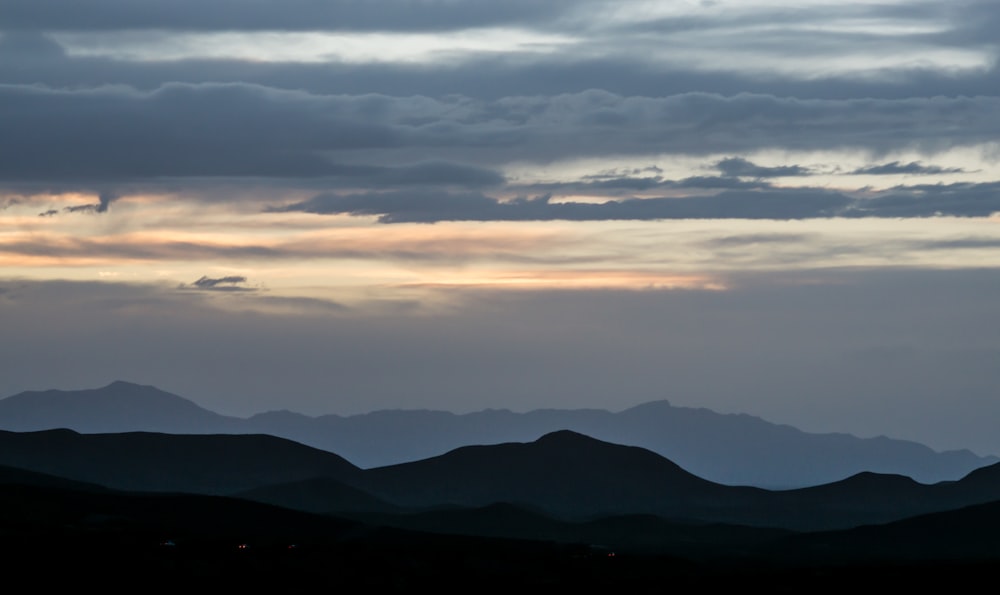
{"x":563,"y":476}
{"x":734,"y":449}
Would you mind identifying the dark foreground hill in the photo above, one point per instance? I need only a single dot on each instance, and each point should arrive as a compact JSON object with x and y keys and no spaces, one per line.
{"x":64,"y":539}
{"x":59,"y":533}
{"x":725,"y":448}
{"x":144,"y":461}
{"x":569,"y":475}
{"x":563,"y":475}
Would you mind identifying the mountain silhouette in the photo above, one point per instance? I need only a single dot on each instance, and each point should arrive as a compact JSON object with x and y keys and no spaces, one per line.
{"x":564,"y":473}
{"x":146,"y":461}
{"x":970,"y":533}
{"x":189,"y":506}
{"x":734,"y":449}
{"x":117,"y":407}
{"x":571,"y":476}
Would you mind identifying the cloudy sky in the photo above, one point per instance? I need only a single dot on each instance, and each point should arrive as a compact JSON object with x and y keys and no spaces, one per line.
{"x":785,"y":209}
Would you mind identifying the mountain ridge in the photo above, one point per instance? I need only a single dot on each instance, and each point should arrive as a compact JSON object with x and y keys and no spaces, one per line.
{"x":731,"y":448}
{"x":565,"y":475}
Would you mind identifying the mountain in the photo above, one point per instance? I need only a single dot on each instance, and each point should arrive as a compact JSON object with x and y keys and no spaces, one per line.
{"x":145,"y":461}
{"x":624,"y":534}
{"x":970,"y":533}
{"x":572,"y":476}
{"x":54,"y":537}
{"x":117,"y":407}
{"x":563,"y":475}
{"x":564,"y":504}
{"x":15,"y":476}
{"x":320,"y":495}
{"x":734,"y":449}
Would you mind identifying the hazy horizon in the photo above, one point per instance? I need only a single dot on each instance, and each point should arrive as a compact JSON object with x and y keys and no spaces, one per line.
{"x":343,"y":207}
{"x":485,"y":409}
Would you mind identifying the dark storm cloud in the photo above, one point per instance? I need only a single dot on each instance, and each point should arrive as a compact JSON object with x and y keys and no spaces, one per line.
{"x":238,"y":130}
{"x":300,"y":15}
{"x":911,"y":168}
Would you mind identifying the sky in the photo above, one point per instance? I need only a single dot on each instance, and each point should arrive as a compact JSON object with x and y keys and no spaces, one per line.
{"x":790,"y":210}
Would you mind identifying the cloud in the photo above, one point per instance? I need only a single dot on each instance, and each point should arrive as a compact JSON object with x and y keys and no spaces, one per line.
{"x":760,"y":238}
{"x":283,"y":15}
{"x":928,"y":200}
{"x":740,"y":167}
{"x":227,"y":283}
{"x":29,"y":45}
{"x":911,"y":168}
{"x":428,"y":207}
{"x":104,"y":201}
{"x":610,"y":185}
{"x":959,"y":200}
{"x":77,"y":209}
{"x":492,"y":76}
{"x":115,"y":134}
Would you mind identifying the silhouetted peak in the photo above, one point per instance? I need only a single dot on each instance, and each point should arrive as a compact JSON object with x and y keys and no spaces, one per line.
{"x":122,"y":384}
{"x":53,"y":433}
{"x":872,"y":478}
{"x":651,"y":406}
{"x":987,"y":473}
{"x":567,"y":437}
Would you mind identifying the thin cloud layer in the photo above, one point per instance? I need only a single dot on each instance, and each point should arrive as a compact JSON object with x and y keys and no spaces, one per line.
{"x":958,"y":200}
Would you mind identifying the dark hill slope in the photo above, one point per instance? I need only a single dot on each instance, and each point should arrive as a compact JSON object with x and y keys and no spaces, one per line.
{"x":564,"y":473}
{"x":141,"y":461}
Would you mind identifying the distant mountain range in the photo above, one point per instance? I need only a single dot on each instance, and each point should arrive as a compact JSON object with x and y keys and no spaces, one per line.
{"x":733,"y":449}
